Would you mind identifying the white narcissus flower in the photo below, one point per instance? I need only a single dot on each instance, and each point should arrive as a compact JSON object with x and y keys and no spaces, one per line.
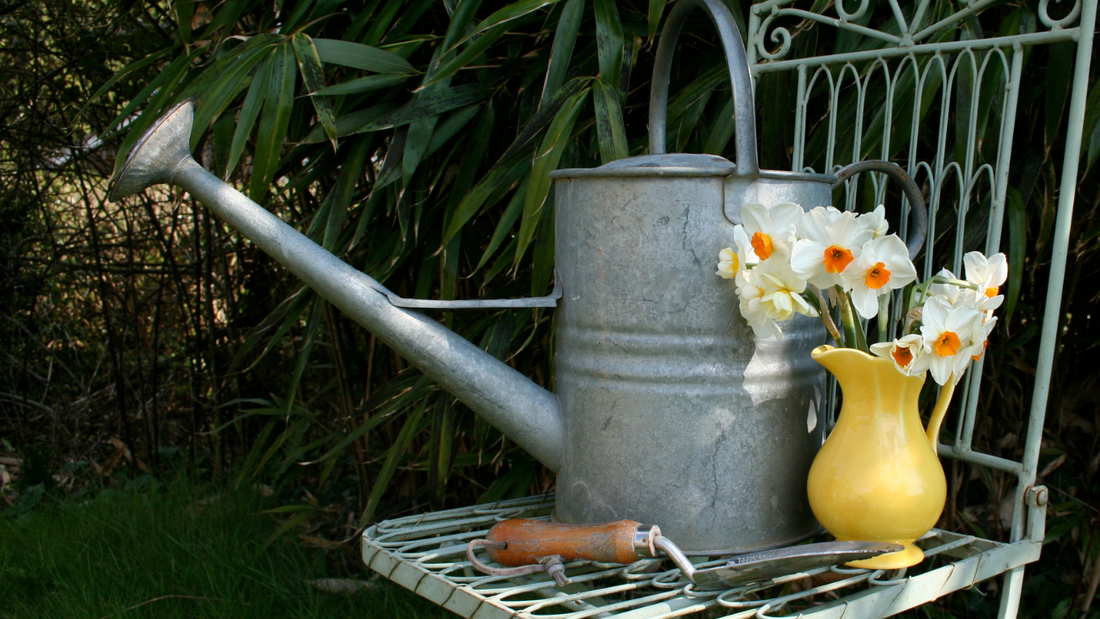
{"x":749,"y":295}
{"x":734,"y":262}
{"x":771,"y":294}
{"x":909,"y":353}
{"x":883,"y":265}
{"x":728,"y":264}
{"x":978,"y":348}
{"x":771,"y":230}
{"x":951,"y":333}
{"x":988,"y":274}
{"x":875,"y":221}
{"x":828,"y":241}
{"x":955,"y":296}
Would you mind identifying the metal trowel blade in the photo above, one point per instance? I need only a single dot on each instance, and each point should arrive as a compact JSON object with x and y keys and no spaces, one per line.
{"x":769,"y":564}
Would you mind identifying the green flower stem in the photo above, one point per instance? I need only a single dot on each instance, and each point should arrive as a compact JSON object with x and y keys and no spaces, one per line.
{"x":883,"y":316}
{"x":916,"y":299}
{"x":818,"y":298}
{"x":852,"y":331}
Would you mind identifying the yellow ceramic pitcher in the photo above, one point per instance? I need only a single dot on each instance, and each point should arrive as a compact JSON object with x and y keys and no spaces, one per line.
{"x":878,"y":477}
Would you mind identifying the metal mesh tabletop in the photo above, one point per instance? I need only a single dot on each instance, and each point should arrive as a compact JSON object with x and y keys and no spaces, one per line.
{"x":427,"y":554}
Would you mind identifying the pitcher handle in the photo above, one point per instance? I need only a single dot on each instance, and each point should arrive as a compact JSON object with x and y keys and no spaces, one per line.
{"x":916,"y":201}
{"x":744,"y":112}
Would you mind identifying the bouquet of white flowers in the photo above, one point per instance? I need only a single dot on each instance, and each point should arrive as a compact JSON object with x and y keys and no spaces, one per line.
{"x":788,"y":261}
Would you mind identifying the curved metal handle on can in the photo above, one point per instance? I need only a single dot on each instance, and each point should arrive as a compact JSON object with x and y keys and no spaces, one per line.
{"x":916,"y":200}
{"x":744,"y":112}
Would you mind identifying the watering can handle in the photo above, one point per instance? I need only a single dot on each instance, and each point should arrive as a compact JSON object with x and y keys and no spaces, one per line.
{"x":917,"y":206}
{"x":744,"y":112}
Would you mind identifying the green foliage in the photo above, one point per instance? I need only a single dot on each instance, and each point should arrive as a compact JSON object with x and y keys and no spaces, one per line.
{"x":175,"y":550}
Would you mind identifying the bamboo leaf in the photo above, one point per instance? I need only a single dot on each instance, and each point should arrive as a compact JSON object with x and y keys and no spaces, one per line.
{"x":185,"y":12}
{"x":430,"y":105}
{"x":225,"y":59}
{"x":442,"y":446}
{"x":542,"y":267}
{"x":383,"y":21}
{"x":360,"y":56}
{"x":254,"y":451}
{"x":228,"y":14}
{"x":313,"y":76}
{"x":355,"y":122}
{"x":368,"y":83}
{"x":129,"y":69}
{"x":498,"y":177}
{"x":449,"y":127}
{"x":501,"y":17}
{"x":546,"y":161}
{"x":221,"y":93}
{"x":544,"y":116}
{"x":609,"y":40}
{"x":350,"y":172}
{"x":504,"y":226}
{"x":1017,"y":249}
{"x":513,"y":484}
{"x":350,"y":437}
{"x":1090,"y":145}
{"x":656,"y":11}
{"x":471,"y":153}
{"x":468,"y":54}
{"x":393,"y":457}
{"x":285,"y":315}
{"x":273,"y":123}
{"x":298,"y":11}
{"x":1059,"y":78}
{"x":565,"y":37}
{"x":610,"y":128}
{"x":460,"y":21}
{"x":313,"y":323}
{"x":250,"y":110}
{"x":722,"y":130}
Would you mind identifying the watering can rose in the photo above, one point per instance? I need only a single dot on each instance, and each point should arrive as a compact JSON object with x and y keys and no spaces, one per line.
{"x":787,"y":261}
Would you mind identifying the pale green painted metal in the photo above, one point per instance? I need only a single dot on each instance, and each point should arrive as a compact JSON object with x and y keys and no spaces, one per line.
{"x":913,"y":51}
{"x":414,"y":551}
{"x":427,"y":554}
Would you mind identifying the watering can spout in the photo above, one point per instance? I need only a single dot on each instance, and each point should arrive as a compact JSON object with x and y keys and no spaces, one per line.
{"x":522,"y":410}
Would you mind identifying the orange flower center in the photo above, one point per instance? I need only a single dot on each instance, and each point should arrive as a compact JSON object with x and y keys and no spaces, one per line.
{"x":902,"y":356}
{"x":947,"y":344}
{"x":837,"y":258}
{"x":992,"y":292}
{"x":877,"y":276}
{"x":762,"y":245}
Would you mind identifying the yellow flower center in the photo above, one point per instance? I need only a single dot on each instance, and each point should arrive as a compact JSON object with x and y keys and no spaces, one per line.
{"x":877,"y":276}
{"x":947,"y":344}
{"x":992,"y":292}
{"x":837,"y":258}
{"x":902,"y":356}
{"x":762,"y":245}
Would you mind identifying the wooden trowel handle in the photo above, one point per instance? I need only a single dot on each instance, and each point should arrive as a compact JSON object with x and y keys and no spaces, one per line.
{"x":531,"y":540}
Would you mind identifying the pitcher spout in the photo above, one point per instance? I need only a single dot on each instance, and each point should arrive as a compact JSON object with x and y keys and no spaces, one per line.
{"x":522,"y":410}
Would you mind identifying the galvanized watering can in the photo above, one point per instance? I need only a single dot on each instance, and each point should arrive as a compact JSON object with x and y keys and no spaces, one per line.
{"x":667,"y":410}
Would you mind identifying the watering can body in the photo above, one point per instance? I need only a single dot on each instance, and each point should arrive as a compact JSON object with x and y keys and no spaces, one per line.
{"x":674,"y":411}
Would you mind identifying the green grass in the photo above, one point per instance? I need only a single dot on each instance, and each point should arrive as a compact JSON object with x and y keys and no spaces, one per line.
{"x":152,"y":550}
